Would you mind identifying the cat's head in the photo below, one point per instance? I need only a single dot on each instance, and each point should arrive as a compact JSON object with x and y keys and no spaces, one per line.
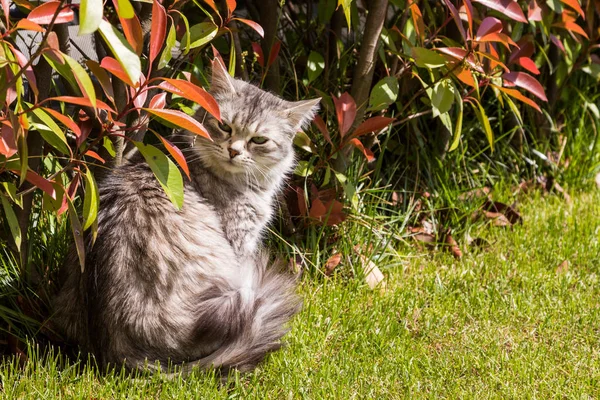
{"x":254,"y":139}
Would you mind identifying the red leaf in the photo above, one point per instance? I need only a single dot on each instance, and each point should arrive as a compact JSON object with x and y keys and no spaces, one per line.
{"x":158,"y":29}
{"x":158,"y":101}
{"x":469,"y":12}
{"x":464,"y":75}
{"x":456,"y":17}
{"x":417,"y":18}
{"x":498,"y":38}
{"x":574,"y":4}
{"x":274,"y":52}
{"x":6,"y":9}
{"x":260,"y":57}
{"x":113,"y":66}
{"x":194,"y":93}
{"x":8,"y":145}
{"x":528,"y":64}
{"x":252,"y":25}
{"x":571,"y":26}
{"x":527,"y":82}
{"x":301,"y":201}
{"x":39,"y":182}
{"x":177,"y":154}
{"x":133,"y":33}
{"x":231,"y":5}
{"x":103,"y":78}
{"x":212,"y":5}
{"x":374,"y":124}
{"x":29,"y":26}
{"x":460,"y":54}
{"x":489,"y":25}
{"x":509,"y":8}
{"x":526,"y":49}
{"x":534,"y":12}
{"x":180,"y":119}
{"x":43,"y":14}
{"x":368,"y":153}
{"x":94,"y":155}
{"x":82,"y":101}
{"x":66,"y":121}
{"x":558,"y":43}
{"x":22,"y":60}
{"x":323,"y":128}
{"x":345,"y":109}
{"x":519,"y":96}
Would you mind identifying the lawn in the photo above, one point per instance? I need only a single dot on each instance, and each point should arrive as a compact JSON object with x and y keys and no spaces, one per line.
{"x":519,"y":318}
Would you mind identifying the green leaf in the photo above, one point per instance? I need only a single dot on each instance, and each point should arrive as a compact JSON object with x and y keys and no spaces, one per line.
{"x":50,"y":130}
{"x":459,"y":118}
{"x":165,"y":57}
{"x":384,"y":93}
{"x":303,"y":141}
{"x":304,"y":168}
{"x":64,"y":70}
{"x":109,"y":146}
{"x":202,"y":33}
{"x":11,"y":190}
{"x":91,"y":201}
{"x":347,"y":7}
{"x":82,"y":77}
{"x":442,"y":97}
{"x":165,"y":171}
{"x":12,"y":220}
{"x":125,"y":9}
{"x":77,"y":232}
{"x":485,"y":123}
{"x":314,"y":66}
{"x":446,"y":120}
{"x":90,"y":15}
{"x":122,"y":51}
{"x":426,"y":58}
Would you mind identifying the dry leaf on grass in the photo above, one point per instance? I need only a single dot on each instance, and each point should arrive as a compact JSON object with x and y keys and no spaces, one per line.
{"x":452,"y":246}
{"x":563,"y":267}
{"x":373,"y":275}
{"x":331,"y":263}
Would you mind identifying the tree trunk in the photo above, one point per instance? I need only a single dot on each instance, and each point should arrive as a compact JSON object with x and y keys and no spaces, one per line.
{"x":363,"y":74}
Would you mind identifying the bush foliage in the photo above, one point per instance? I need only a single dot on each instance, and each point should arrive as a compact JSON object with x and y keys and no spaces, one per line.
{"x":412,"y":90}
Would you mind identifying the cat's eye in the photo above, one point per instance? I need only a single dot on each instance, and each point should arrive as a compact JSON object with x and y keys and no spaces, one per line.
{"x":259,"y":140}
{"x":224,"y":127}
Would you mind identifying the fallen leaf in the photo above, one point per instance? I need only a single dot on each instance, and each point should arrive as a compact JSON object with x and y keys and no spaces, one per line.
{"x":509,"y":212}
{"x":498,"y":219}
{"x":453,"y":247}
{"x":562,"y":191}
{"x":331,"y":263}
{"x":373,"y":275}
{"x":563,"y":267}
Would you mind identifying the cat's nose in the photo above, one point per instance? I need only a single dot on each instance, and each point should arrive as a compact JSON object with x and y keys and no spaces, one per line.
{"x":232,"y":152}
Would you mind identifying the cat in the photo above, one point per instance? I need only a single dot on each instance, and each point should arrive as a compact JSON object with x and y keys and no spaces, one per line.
{"x":191,"y":287}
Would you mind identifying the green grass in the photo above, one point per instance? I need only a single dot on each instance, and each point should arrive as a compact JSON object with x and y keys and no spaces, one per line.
{"x":503,"y":322}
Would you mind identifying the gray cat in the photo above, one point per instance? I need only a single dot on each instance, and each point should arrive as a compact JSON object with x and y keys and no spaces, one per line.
{"x":191,"y":287}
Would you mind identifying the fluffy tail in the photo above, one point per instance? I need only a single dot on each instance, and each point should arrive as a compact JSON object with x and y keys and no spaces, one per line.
{"x":261,"y":316}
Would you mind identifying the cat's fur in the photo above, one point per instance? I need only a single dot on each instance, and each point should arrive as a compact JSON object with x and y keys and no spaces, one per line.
{"x":192,"y":286}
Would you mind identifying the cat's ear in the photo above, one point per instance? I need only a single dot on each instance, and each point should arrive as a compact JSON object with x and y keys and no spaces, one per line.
{"x":300,"y":113}
{"x":221,"y":81}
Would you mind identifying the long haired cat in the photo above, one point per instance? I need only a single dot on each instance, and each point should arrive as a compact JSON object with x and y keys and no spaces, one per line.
{"x":192,"y":286}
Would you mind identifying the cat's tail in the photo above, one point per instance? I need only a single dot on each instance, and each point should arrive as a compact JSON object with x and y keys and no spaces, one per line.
{"x":272,"y":304}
